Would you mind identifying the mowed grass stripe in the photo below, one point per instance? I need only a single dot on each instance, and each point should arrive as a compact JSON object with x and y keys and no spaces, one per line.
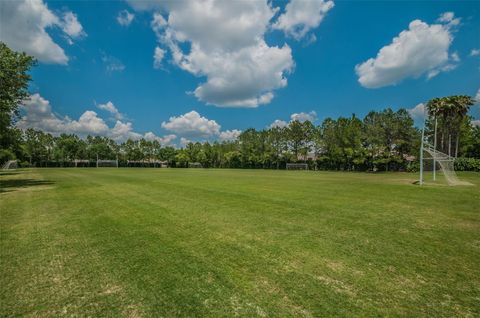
{"x":253,"y":243}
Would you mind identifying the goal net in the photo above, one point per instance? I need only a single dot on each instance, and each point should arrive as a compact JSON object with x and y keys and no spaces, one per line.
{"x":10,"y":165}
{"x":443,"y":161}
{"x":81,"y":163}
{"x":107,"y":163}
{"x":297,"y":166}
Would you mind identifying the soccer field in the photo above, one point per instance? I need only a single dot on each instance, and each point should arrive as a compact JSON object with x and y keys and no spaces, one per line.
{"x":196,"y":242}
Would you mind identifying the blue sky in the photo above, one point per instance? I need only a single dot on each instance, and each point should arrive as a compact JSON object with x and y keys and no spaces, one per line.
{"x":305,"y":66}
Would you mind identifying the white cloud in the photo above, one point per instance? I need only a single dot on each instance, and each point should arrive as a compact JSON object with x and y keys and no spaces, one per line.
{"x":123,"y":131}
{"x":165,"y":140}
{"x":449,"y":18}
{"x":475,"y":52}
{"x":158,"y":57}
{"x":225,"y":45}
{"x":184,"y":141}
{"x":192,"y":124}
{"x":301,"y":16}
{"x":302,"y":117}
{"x":110,"y":107}
{"x":422,"y":49}
{"x":124,"y":18}
{"x":38,"y":114}
{"x":24,"y":25}
{"x":71,"y":26}
{"x":278,"y":124}
{"x":417,"y":112}
{"x":454,"y":56}
{"x":229,"y":135}
{"x":477,"y":96}
{"x":476,"y":122}
{"x":112,"y":64}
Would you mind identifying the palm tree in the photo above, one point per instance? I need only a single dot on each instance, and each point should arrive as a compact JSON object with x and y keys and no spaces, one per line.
{"x":449,"y":112}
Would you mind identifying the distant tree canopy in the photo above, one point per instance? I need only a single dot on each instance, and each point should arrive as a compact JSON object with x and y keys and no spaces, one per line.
{"x":382,"y":140}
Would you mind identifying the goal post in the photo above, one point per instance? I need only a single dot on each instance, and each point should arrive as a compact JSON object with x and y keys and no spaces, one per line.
{"x":107,"y":163}
{"x":445,"y":162}
{"x":10,"y":165}
{"x":297,"y":166}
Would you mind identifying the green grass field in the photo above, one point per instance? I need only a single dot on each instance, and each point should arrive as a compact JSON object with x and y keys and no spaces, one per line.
{"x":194,"y":242}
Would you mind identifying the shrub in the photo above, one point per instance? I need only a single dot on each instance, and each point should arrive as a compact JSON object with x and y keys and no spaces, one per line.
{"x":467,"y":164}
{"x":413,"y":166}
{"x":5,"y":155}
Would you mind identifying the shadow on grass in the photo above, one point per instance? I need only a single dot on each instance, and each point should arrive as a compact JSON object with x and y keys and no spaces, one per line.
{"x":17,"y":184}
{"x":8,"y":173}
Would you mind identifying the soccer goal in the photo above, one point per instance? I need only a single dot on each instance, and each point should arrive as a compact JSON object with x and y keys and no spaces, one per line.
{"x":81,"y":163}
{"x":107,"y":163}
{"x":429,"y":154}
{"x":10,"y":165}
{"x":297,"y":166}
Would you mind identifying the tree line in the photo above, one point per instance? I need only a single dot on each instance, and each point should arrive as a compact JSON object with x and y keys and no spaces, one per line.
{"x":382,"y":140}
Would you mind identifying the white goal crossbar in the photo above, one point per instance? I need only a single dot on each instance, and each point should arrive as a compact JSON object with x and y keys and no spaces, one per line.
{"x":107,"y":163}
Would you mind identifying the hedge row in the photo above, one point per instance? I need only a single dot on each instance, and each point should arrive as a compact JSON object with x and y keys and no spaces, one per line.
{"x":467,"y":164}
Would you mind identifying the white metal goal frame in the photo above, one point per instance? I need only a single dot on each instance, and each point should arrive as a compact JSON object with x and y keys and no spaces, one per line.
{"x":445,"y":161}
{"x":107,"y":163}
{"x":10,"y":165}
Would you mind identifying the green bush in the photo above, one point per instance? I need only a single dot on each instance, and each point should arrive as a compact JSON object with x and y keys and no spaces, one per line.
{"x":467,"y":164}
{"x":5,"y":155}
{"x":24,"y":164}
{"x":413,"y":166}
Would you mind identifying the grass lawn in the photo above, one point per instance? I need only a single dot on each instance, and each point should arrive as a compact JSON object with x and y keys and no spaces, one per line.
{"x":194,"y":242}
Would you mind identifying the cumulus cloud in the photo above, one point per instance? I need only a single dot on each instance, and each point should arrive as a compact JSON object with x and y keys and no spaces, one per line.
{"x":71,"y":26}
{"x":110,"y":107}
{"x":24,"y":25}
{"x":417,"y":112}
{"x":302,"y":117}
{"x":224,"y":43}
{"x":184,"y":141}
{"x":301,"y":16}
{"x":38,"y":114}
{"x":124,"y":18}
{"x":477,"y":96}
{"x":229,"y":135}
{"x":475,"y":52}
{"x":476,"y":122}
{"x":192,"y":124}
{"x":165,"y":140}
{"x":278,"y":124}
{"x":422,"y":49}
